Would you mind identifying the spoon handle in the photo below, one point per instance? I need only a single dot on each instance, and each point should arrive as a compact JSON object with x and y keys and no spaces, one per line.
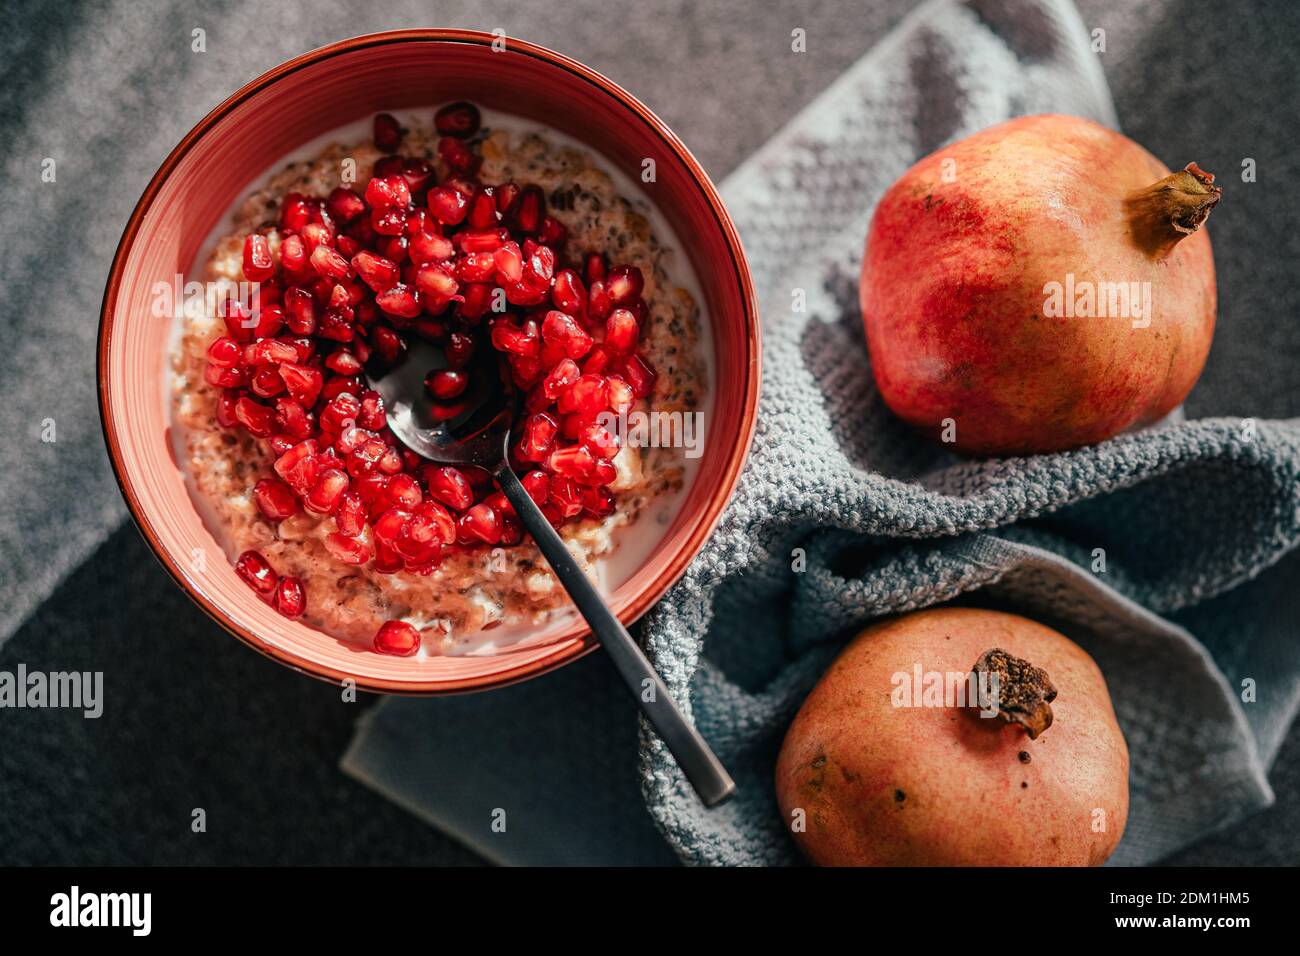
{"x":701,"y":766}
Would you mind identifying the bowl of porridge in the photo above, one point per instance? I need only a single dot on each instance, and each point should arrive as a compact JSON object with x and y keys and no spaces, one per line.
{"x":537,"y":225}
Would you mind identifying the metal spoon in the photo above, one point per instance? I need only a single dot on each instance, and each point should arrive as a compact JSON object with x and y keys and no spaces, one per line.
{"x":480,"y":435}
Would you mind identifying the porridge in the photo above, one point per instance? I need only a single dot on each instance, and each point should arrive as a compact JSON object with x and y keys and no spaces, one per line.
{"x":475,"y":233}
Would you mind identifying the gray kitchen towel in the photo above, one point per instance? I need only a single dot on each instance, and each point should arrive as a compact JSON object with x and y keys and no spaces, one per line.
{"x":1096,"y":542}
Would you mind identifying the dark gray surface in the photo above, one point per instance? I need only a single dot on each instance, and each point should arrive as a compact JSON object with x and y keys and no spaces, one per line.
{"x":197,"y":720}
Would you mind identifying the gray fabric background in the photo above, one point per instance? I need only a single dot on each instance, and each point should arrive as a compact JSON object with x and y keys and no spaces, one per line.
{"x":196,"y":720}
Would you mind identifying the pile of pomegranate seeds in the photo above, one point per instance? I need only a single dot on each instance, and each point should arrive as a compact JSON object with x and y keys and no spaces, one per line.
{"x":416,"y":253}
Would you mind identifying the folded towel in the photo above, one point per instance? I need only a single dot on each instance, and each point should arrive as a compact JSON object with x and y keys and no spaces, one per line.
{"x":1185,"y":512}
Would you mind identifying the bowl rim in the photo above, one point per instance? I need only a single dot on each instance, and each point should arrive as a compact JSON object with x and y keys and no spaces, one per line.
{"x":583,"y":642}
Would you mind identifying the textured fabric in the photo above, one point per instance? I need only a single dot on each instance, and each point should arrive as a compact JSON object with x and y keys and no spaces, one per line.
{"x":887,"y":522}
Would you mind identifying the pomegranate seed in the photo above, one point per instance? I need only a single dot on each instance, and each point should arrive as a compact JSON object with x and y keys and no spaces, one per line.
{"x":538,"y":486}
{"x":477,"y":302}
{"x":640,"y":375}
{"x":483,"y":209}
{"x":594,"y":269}
{"x":266,"y":382}
{"x":344,"y":206}
{"x":458,"y":157}
{"x":426,"y":247}
{"x":587,"y":395}
{"x":388,"y":133}
{"x":344,"y":363}
{"x":620,"y":394}
{"x":507,"y":193}
{"x":568,"y":293}
{"x":526,"y":213}
{"x":509,"y":263}
{"x":387,"y":344}
{"x":387,"y":561}
{"x":256,"y":572}
{"x":476,"y":267}
{"x":404,"y":491}
{"x":346,"y":549}
{"x":300,"y":311}
{"x":597,"y":502}
{"x":459,"y":350}
{"x":539,"y":267}
{"x":341,"y":412}
{"x":350,"y":517}
{"x":599,"y":303}
{"x":436,"y":283}
{"x":565,"y":497}
{"x":558,"y":380}
{"x":387,"y":192}
{"x":447,"y":205}
{"x":290,"y":598}
{"x":225,"y":352}
{"x":419,"y":175}
{"x":302,"y":382}
{"x":445,"y":384}
{"x":258,"y":264}
{"x":372,"y":414}
{"x":481,"y":523}
{"x":552,"y":233}
{"x":269,"y":352}
{"x":624,"y":284}
{"x":325,"y":494}
{"x":449,"y":486}
{"x":225,"y":377}
{"x":508,"y":337}
{"x":293,"y":254}
{"x":397,"y":638}
{"x":376,"y":271}
{"x":315,"y":235}
{"x":226,"y":409}
{"x":255,"y":417}
{"x":597,"y":361}
{"x":400,"y":300}
{"x":298,"y":466}
{"x":574,"y":462}
{"x":458,"y":119}
{"x":239,"y":321}
{"x":274,"y":499}
{"x":481,"y":240}
{"x":563,"y":330}
{"x":621,"y":331}
{"x":295,"y":213}
{"x":327,"y":262}
{"x":538,"y":435}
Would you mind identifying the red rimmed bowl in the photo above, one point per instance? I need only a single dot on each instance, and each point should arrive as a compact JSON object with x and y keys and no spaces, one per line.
{"x":224,"y":157}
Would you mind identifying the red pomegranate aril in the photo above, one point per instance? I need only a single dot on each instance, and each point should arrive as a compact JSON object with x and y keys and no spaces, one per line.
{"x":226,"y":409}
{"x":344,"y":205}
{"x":459,"y":350}
{"x":426,"y":247}
{"x":390,"y":463}
{"x":506,"y":194}
{"x":293,"y":255}
{"x":387,"y":192}
{"x":295,"y":213}
{"x":300,"y":311}
{"x":225,"y":352}
{"x":290,"y":598}
{"x":552,"y":233}
{"x":364,"y":459}
{"x":480,"y":523}
{"x":376,"y":271}
{"x":558,"y":380}
{"x":258,"y":264}
{"x":569,"y":294}
{"x":449,"y":486}
{"x":298,"y":466}
{"x":238,"y":319}
{"x":293,"y":419}
{"x":538,"y":435}
{"x":274,"y":499}
{"x":340,"y":412}
{"x":448,"y":206}
{"x":225,"y":377}
{"x":326,"y":493}
{"x":477,"y":302}
{"x":481,"y":240}
{"x":619,"y":394}
{"x":270,"y":320}
{"x":336,"y":326}
{"x":559,"y":328}
{"x":600,"y":441}
{"x":387,"y":345}
{"x":419,"y":176}
{"x":508,"y":337}
{"x":269,"y":352}
{"x":574,"y":462}
{"x":388,"y":133}
{"x":397,"y":638}
{"x":343,"y":362}
{"x":255,"y":417}
{"x":441,"y":518}
{"x":404,"y":491}
{"x":446,"y":384}
{"x":597,"y":361}
{"x":458,"y":157}
{"x":587,"y":395}
{"x":327,"y":262}
{"x":565,"y":497}
{"x":640,"y":375}
{"x":538,"y":486}
{"x":266,"y":382}
{"x":597,"y":502}
{"x":315,"y":235}
{"x":509,"y":263}
{"x":621,"y":331}
{"x":389,"y":222}
{"x":624,"y":284}
{"x":347,"y":549}
{"x":459,"y":119}
{"x":477,"y":267}
{"x":437,"y":284}
{"x":372,"y":414}
{"x":388,"y":526}
{"x":483,"y":209}
{"x":527,"y":211}
{"x":599,"y":302}
{"x":387,"y":561}
{"x":400,"y":300}
{"x":256,"y":572}
{"x":539,"y":267}
{"x":350,"y":516}
{"x":303,"y":382}
{"x":594,"y":268}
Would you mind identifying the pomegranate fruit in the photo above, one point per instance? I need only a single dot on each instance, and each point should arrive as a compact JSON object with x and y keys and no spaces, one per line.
{"x":1044,"y":284}
{"x":423,"y":249}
